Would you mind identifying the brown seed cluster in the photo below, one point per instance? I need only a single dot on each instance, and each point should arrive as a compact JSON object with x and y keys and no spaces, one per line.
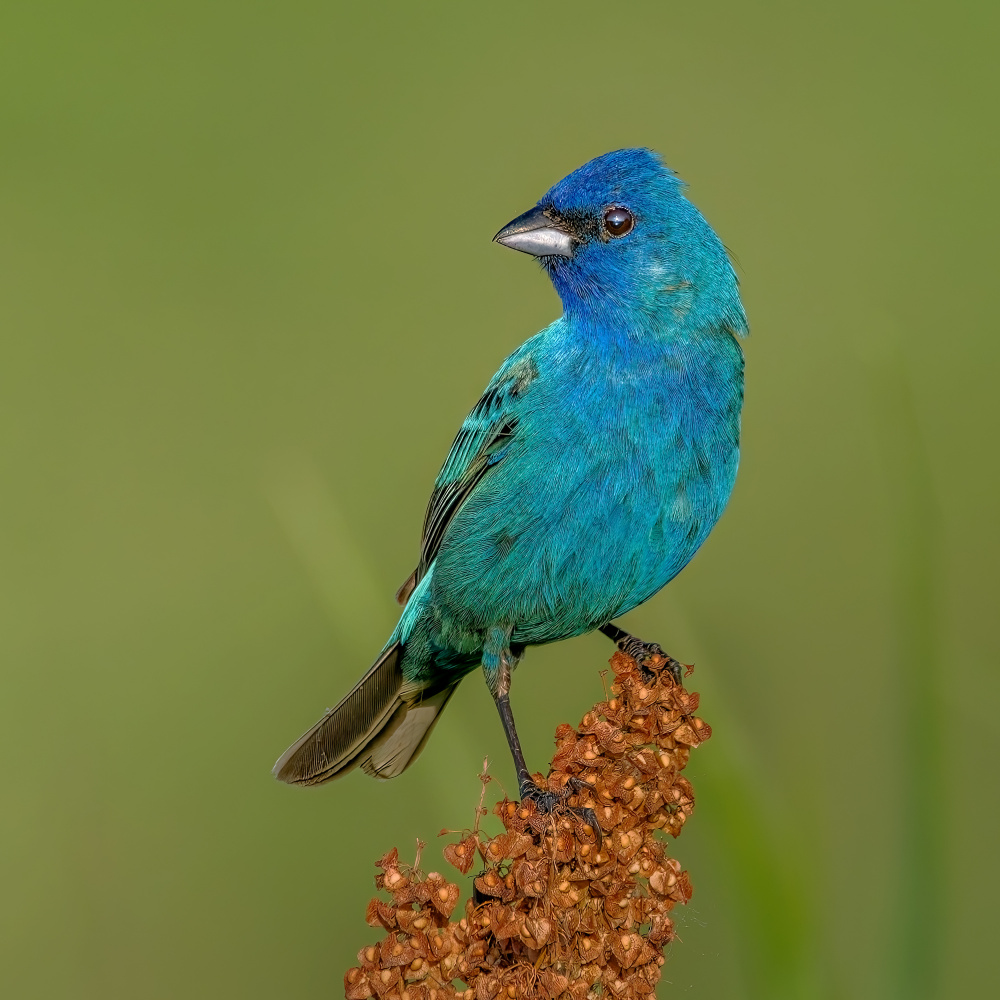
{"x":560,"y":910}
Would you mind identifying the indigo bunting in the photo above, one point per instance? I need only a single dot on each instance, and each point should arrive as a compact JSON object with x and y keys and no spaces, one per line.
{"x":586,"y":477}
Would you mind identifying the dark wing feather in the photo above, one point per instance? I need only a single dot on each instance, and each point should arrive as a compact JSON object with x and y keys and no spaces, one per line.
{"x":481,"y":444}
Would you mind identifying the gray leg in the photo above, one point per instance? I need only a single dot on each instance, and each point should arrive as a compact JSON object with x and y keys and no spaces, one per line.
{"x":498,"y":661}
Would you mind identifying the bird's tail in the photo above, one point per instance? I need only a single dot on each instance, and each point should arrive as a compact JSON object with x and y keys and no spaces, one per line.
{"x":381,"y":726}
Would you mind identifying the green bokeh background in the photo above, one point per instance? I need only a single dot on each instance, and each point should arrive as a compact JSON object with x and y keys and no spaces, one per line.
{"x":247,"y":294}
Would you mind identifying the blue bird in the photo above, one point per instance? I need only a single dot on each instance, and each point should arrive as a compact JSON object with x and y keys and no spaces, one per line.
{"x":595,"y":464}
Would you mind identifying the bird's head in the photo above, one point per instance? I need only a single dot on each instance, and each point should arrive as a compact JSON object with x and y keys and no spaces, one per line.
{"x":617,"y":235}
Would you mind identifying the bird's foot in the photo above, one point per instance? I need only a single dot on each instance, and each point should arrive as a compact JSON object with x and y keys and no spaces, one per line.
{"x":650,"y":658}
{"x":547,"y":802}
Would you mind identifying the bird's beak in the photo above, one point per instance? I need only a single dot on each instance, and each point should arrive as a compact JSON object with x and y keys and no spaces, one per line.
{"x":536,"y":233}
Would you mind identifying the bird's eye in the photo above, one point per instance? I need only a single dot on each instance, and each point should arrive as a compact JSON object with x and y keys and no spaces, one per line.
{"x":618,"y":221}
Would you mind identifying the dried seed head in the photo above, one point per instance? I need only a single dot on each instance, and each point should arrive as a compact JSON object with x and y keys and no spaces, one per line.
{"x":552,"y":899}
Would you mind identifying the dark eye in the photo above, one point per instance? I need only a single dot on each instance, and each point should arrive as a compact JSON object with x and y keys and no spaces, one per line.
{"x":618,"y":221}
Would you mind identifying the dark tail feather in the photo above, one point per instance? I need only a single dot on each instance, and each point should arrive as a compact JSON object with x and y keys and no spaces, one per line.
{"x":400,"y":742}
{"x":379,"y":725}
{"x":332,"y":745}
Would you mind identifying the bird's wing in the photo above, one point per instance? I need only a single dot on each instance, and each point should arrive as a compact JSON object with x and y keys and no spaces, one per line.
{"x":481,"y":444}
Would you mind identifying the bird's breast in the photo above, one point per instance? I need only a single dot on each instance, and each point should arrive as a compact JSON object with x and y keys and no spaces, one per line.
{"x":613,"y":481}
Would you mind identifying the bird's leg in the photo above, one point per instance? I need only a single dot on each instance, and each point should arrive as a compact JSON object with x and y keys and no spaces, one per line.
{"x":498,"y":662}
{"x":645,"y":654}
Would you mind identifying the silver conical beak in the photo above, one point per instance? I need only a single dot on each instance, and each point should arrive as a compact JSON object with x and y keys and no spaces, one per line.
{"x":537,"y":234}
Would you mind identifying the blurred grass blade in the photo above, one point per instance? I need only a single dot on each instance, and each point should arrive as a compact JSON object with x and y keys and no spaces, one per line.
{"x":361,"y":609}
{"x":766,"y":868}
{"x":913,"y":960}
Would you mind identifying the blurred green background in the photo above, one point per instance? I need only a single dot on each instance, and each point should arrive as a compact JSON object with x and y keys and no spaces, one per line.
{"x":247,"y":294}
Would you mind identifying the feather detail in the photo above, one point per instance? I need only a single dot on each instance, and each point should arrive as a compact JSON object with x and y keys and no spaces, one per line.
{"x":402,"y":739}
{"x":333,"y":745}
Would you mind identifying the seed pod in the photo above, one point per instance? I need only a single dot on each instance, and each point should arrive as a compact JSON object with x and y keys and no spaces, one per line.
{"x":357,"y":986}
{"x":462,"y":854}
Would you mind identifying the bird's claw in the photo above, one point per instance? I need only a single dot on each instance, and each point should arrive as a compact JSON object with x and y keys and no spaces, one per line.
{"x":547,"y":802}
{"x":650,"y":658}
